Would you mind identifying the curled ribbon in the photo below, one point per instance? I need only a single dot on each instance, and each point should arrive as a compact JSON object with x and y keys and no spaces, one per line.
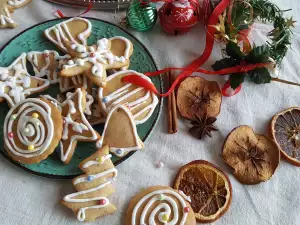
{"x":137,"y":80}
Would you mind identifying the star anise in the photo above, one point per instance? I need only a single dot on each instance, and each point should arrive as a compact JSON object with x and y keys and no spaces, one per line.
{"x":254,"y":154}
{"x":203,"y":126}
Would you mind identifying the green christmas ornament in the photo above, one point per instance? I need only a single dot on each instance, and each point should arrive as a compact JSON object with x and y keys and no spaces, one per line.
{"x":141,"y":16}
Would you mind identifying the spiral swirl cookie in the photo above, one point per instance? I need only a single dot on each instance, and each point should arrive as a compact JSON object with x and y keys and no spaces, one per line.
{"x":30,"y":133}
{"x":159,"y":205}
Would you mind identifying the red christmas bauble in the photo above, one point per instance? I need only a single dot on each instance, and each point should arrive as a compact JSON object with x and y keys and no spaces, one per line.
{"x":179,"y":17}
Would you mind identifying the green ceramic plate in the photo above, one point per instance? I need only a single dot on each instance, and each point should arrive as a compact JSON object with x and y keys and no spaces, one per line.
{"x":32,"y":39}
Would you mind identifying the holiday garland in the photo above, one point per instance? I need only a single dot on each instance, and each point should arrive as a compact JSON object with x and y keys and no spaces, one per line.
{"x":272,"y":52}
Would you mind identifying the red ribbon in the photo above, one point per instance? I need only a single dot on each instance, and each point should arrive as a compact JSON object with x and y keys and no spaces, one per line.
{"x":139,"y":81}
{"x":211,"y":30}
{"x":90,"y":6}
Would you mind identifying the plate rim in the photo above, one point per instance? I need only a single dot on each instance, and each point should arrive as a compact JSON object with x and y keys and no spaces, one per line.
{"x":160,"y":104}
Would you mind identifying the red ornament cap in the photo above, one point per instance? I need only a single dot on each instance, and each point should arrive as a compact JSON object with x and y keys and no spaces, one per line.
{"x":102,"y":202}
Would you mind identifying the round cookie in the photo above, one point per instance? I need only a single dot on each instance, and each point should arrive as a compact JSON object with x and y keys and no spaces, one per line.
{"x":32,"y":130}
{"x":159,"y":205}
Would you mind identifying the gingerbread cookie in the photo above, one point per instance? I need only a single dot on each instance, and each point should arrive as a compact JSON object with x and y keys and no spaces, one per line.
{"x":76,"y":127}
{"x":159,"y":205}
{"x":140,"y":101}
{"x":47,"y":64}
{"x":16,"y":84}
{"x":32,"y":130}
{"x":75,"y":30}
{"x":91,"y":202}
{"x":7,"y":7}
{"x":92,"y":109}
{"x":120,"y":132}
{"x":93,"y":61}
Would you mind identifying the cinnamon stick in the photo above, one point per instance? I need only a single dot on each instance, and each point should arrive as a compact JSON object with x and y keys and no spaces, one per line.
{"x":172,"y":109}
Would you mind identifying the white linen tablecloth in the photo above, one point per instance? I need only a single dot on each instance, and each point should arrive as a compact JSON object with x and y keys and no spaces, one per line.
{"x":29,"y":200}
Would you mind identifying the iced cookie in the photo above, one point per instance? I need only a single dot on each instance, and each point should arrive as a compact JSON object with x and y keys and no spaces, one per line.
{"x":91,"y":202}
{"x":92,"y":109}
{"x":75,"y":30}
{"x":140,"y":101}
{"x":32,"y":130}
{"x":197,"y":96}
{"x":16,"y":84}
{"x":47,"y":64}
{"x":254,"y":158}
{"x":93,"y":61}
{"x":120,"y":132}
{"x":159,"y":205}
{"x":7,"y":7}
{"x":76,"y":127}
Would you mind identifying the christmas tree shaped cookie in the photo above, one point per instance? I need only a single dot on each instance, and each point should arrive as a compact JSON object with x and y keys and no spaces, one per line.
{"x":16,"y":84}
{"x":91,"y":202}
{"x":120,"y":132}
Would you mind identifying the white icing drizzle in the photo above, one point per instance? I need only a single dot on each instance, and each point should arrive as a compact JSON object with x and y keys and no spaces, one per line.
{"x":59,"y":61}
{"x":19,"y":82}
{"x":77,"y":127}
{"x":41,"y":128}
{"x":187,"y":198}
{"x":89,"y":103}
{"x":96,"y":176}
{"x":6,"y":19}
{"x":124,"y":150}
{"x":122,"y":94}
{"x":72,"y":198}
{"x":16,"y":2}
{"x":96,"y":162}
{"x":162,"y":208}
{"x":98,"y":57}
{"x":62,"y":31}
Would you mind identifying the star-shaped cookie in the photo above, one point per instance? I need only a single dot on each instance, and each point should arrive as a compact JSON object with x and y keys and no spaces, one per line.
{"x":76,"y":127}
{"x":7,"y":7}
{"x":16,"y":84}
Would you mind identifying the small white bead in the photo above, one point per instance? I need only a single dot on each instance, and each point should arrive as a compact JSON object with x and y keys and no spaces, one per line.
{"x":160,"y":164}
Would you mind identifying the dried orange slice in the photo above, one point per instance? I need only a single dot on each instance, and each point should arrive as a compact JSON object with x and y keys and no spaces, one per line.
{"x":254,"y":158}
{"x":197,"y":96}
{"x":208,"y":187}
{"x":285,"y":130}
